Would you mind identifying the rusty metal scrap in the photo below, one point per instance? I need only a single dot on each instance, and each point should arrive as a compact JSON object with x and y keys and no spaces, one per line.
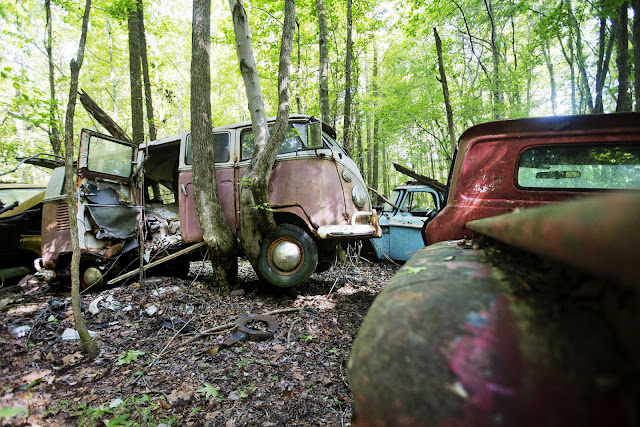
{"x":599,"y":234}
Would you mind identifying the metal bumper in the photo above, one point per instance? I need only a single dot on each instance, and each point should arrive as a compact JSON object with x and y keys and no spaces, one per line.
{"x":353,"y":230}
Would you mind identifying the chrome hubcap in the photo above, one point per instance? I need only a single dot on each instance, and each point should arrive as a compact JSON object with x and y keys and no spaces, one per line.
{"x":92,"y":276}
{"x":286,"y":256}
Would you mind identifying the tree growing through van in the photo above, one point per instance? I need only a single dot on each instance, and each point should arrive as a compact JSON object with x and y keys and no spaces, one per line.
{"x":76,"y":303}
{"x":256,"y":219}
{"x":216,"y":231}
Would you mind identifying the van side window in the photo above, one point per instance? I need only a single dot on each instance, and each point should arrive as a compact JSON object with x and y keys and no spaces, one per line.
{"x":292,"y":141}
{"x":581,"y":167}
{"x":220,"y":148}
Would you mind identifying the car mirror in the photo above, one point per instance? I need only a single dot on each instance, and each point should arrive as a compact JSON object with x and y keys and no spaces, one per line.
{"x":314,"y":134}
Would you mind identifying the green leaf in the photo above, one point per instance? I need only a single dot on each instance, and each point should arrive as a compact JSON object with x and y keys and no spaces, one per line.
{"x":208,"y":390}
{"x":10,"y":412}
{"x":129,"y":356}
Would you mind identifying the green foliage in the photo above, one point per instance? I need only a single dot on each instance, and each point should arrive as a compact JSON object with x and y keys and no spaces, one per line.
{"x":208,"y":390}
{"x":10,"y":412}
{"x":128,"y":356}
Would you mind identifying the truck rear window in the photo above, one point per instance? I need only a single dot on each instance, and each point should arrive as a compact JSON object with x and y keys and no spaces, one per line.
{"x":581,"y":167}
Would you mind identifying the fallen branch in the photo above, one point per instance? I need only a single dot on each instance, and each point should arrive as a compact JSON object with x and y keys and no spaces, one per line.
{"x":103,"y":118}
{"x":385,"y":199}
{"x":436,"y":185}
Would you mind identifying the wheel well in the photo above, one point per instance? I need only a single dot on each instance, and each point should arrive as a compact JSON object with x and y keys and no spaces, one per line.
{"x":290,"y":218}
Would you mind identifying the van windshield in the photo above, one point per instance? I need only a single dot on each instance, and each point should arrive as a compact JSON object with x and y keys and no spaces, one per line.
{"x":295,"y":140}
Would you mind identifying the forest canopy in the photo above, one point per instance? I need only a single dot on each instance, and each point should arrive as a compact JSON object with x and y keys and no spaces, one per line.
{"x":502,"y":59}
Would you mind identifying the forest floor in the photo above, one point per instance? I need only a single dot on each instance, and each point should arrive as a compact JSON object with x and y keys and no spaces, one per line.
{"x":148,"y":373}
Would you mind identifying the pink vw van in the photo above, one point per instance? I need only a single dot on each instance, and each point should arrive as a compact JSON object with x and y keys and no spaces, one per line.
{"x":316,"y":191}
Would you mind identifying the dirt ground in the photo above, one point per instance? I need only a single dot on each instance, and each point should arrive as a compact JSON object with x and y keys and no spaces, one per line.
{"x":148,"y":373}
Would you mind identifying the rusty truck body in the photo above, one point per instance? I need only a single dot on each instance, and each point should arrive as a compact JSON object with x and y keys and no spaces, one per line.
{"x":316,"y":192}
{"x":537,"y":323}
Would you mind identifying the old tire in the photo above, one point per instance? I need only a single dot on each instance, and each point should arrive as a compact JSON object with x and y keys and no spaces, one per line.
{"x":288,"y":257}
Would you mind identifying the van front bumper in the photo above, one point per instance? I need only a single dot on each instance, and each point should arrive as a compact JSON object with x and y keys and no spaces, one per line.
{"x":352,"y":230}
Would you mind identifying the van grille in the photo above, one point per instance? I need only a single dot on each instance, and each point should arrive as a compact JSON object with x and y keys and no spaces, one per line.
{"x":62,"y":217}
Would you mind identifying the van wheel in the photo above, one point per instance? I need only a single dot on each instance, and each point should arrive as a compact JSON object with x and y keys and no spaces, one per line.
{"x":288,"y":257}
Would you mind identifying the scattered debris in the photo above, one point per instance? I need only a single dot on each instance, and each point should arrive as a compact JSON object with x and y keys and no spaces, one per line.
{"x":274,"y":384}
{"x":70,"y":334}
{"x":21,"y":331}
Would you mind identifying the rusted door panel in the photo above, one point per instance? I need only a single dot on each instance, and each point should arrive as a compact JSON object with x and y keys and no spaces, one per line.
{"x":56,"y":235}
{"x":189,"y":225}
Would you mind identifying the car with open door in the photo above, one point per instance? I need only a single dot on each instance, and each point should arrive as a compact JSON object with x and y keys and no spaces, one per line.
{"x":403,"y":218}
{"x":316,"y":192}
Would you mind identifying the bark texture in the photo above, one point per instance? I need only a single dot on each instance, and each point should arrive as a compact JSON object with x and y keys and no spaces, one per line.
{"x":622,"y":60}
{"x":145,"y":73}
{"x":256,"y":218}
{"x":445,"y":92}
{"x":135,"y":74}
{"x":70,"y":189}
{"x":323,"y":76}
{"x":636,"y":51}
{"x":215,"y":228}
{"x":54,"y":129}
{"x":376,"y":123}
{"x":604,"y":57}
{"x":346,"y":139}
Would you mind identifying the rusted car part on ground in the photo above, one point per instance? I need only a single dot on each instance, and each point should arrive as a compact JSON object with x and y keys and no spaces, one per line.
{"x":516,"y":164}
{"x":317,"y":195}
{"x":455,"y":340}
{"x":246,"y":328}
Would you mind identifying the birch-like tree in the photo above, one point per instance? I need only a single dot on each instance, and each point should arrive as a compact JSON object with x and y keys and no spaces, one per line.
{"x":256,"y":219}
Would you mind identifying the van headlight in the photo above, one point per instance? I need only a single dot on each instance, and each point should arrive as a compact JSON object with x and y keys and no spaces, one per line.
{"x":359,"y":196}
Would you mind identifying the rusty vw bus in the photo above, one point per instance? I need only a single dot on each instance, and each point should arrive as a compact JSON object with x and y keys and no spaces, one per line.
{"x":316,"y":192}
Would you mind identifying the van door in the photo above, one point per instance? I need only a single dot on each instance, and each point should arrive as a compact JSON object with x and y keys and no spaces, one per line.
{"x":108,"y":204}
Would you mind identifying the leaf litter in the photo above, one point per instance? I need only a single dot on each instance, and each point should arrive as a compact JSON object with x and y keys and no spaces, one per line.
{"x":156,"y":362}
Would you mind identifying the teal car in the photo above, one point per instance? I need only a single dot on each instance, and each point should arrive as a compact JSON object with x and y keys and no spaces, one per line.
{"x":402,"y":221}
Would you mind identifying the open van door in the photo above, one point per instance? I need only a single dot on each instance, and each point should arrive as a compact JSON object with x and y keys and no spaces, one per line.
{"x":108,"y":203}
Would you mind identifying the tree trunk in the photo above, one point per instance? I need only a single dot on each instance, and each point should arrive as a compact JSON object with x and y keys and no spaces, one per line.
{"x":622,"y":60}
{"x":445,"y":92}
{"x":70,"y":189}
{"x":135,"y":74}
{"x":298,"y":76}
{"x":582,"y":67}
{"x":145,"y":73}
{"x":376,"y":124}
{"x":636,"y":51}
{"x":323,"y":76}
{"x":346,"y":139}
{"x":552,"y":79}
{"x":112,"y":73}
{"x":54,"y":129}
{"x":570,"y":61}
{"x":215,"y":228}
{"x":604,"y":57}
{"x":498,"y":98}
{"x":256,"y":219}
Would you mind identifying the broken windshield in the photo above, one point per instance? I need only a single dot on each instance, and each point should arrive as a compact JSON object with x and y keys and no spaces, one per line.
{"x":109,"y":157}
